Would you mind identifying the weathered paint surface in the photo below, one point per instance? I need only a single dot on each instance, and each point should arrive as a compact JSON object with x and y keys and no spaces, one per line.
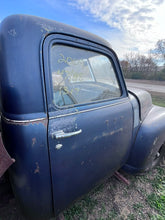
{"x":150,"y":138}
{"x":145,"y":101}
{"x":30,"y":174}
{"x":79,"y":161}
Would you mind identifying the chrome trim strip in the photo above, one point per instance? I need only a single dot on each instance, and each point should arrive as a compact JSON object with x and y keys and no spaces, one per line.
{"x":59,"y":116}
{"x":22,"y":121}
{"x":88,"y":110}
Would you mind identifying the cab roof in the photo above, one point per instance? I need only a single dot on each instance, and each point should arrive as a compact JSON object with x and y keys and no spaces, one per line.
{"x":21,"y":82}
{"x":24,"y":24}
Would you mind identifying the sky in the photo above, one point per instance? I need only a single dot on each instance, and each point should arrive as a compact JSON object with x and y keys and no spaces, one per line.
{"x":128,"y":25}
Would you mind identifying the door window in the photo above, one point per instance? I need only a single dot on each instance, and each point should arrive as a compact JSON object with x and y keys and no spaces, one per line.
{"x":81,"y":76}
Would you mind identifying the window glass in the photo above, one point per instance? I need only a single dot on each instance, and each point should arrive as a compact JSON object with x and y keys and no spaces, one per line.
{"x":81,"y":76}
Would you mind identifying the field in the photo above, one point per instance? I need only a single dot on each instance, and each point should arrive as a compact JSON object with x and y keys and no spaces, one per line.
{"x":158,"y":99}
{"x":144,"y":198}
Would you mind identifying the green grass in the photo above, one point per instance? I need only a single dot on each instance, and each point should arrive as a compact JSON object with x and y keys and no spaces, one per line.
{"x":131,"y":217}
{"x":81,"y":208}
{"x":157,"y":201}
{"x":112,"y":215}
{"x":157,"y":198}
{"x":157,"y":100}
{"x":137,"y":206}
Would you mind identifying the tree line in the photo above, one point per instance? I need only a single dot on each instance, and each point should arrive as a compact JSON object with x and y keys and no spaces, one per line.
{"x":151,"y":67}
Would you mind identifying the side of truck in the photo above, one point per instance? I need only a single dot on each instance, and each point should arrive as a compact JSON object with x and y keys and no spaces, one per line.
{"x":67,"y":117}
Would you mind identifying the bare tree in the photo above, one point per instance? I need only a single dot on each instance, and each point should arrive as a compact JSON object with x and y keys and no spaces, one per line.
{"x":159,"y":50}
{"x":138,"y":66}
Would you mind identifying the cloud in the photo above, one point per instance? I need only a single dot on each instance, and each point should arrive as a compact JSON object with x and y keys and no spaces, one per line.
{"x":158,"y":2}
{"x":141,"y":23}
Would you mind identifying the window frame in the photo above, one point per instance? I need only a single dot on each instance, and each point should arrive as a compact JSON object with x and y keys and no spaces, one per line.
{"x":79,"y":43}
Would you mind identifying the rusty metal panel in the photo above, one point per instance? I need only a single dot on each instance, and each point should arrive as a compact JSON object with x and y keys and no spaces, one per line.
{"x":5,"y":160}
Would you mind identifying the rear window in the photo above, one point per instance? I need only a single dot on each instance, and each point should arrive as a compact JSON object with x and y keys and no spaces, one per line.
{"x":81,"y":76}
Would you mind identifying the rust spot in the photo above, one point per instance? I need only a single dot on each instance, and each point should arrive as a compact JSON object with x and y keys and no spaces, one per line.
{"x":42,"y":121}
{"x":46,"y":34}
{"x":33,"y":141}
{"x":37,"y":170}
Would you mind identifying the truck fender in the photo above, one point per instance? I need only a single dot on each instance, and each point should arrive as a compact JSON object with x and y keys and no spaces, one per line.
{"x":149,"y":145}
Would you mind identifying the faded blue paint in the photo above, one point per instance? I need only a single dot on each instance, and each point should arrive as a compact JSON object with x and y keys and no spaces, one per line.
{"x":50,"y":173}
{"x":30,"y":174}
{"x":101,"y":148}
{"x":150,"y":137}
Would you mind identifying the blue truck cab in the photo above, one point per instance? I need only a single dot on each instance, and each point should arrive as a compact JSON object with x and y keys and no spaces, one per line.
{"x":67,"y":117}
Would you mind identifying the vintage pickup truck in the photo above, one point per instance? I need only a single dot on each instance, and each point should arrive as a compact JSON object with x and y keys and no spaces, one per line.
{"x":67,"y":117}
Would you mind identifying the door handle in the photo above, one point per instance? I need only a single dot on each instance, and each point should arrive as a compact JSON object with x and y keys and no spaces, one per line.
{"x":61,"y":134}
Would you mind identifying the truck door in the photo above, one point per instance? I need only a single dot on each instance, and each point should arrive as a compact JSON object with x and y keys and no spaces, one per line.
{"x":90,"y":116}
